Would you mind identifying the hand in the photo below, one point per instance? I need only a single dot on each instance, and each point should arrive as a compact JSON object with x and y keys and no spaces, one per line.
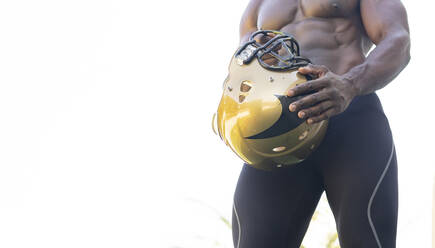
{"x":328,"y":95}
{"x":267,"y":58}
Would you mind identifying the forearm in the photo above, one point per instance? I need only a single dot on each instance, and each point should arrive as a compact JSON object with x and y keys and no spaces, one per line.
{"x":245,"y":36}
{"x":382,"y":65}
{"x":248,"y":23}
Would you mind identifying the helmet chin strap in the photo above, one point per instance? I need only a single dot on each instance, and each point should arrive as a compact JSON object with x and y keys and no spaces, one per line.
{"x":278,"y":41}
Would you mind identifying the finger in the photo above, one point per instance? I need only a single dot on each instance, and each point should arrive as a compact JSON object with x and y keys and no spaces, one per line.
{"x":260,"y":39}
{"x":277,"y":48}
{"x":308,"y":87}
{"x":319,"y":70}
{"x":269,"y":59}
{"x":263,"y":38}
{"x":324,"y":116}
{"x":316,"y":110}
{"x":267,"y":56}
{"x":308,"y":101}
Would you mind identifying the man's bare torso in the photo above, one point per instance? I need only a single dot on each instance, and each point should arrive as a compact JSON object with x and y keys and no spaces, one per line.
{"x":329,"y":32}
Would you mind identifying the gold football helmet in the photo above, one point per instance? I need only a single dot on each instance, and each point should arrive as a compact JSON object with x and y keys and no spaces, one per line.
{"x":253,"y":116}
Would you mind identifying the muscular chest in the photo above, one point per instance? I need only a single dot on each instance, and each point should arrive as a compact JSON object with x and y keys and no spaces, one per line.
{"x":328,"y":8}
{"x":275,"y":14}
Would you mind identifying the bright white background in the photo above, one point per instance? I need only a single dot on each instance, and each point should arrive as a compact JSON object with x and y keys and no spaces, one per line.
{"x":105,"y":124}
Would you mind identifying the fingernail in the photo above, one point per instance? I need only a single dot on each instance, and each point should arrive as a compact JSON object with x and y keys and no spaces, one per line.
{"x":292,"y":107}
{"x":310,"y":121}
{"x":301,"y":114}
{"x":290,"y":93}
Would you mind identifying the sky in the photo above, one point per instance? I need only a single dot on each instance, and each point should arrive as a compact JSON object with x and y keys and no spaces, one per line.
{"x":105,"y":125}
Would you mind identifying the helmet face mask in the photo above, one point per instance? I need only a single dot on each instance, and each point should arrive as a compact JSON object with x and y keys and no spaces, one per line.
{"x":282,"y":47}
{"x":253,"y":116}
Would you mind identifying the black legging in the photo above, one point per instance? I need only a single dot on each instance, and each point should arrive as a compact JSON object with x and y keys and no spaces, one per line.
{"x":355,"y":165}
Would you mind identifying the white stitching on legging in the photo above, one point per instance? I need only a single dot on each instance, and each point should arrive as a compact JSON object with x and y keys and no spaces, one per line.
{"x":373,"y":196}
{"x":238,"y":224}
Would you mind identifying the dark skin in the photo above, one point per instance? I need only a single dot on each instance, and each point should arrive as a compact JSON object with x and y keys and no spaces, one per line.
{"x":336,"y":35}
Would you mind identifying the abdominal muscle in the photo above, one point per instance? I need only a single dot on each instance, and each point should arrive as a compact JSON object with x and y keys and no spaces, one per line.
{"x":338,"y":43}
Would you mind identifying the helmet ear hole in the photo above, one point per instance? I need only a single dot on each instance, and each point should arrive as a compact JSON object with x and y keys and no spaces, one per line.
{"x":245,"y":86}
{"x":241,"y":98}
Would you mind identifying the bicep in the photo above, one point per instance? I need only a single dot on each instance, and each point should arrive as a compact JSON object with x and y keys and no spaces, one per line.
{"x":383,"y":18}
{"x":248,"y":24}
